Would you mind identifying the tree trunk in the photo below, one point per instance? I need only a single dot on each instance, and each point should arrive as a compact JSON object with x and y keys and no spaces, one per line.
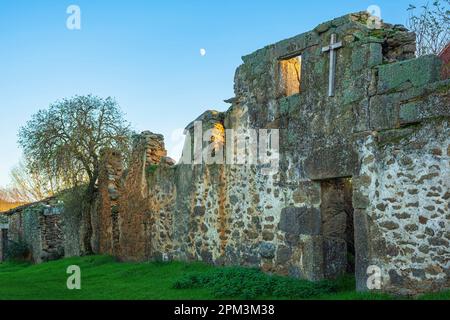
{"x":86,"y":234}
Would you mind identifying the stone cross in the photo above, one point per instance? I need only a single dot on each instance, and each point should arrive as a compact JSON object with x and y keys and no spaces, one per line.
{"x":332,"y":49}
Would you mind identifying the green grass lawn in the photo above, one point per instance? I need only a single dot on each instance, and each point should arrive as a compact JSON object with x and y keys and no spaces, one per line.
{"x":104,"y":278}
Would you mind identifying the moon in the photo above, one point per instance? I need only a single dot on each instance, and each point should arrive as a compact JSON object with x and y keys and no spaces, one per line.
{"x":202,"y":52}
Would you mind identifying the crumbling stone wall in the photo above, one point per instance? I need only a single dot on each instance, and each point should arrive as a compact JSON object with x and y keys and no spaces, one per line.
{"x":401,"y":190}
{"x":105,"y":222}
{"x":135,"y":220}
{"x":364,"y":172}
{"x":404,"y":217}
{"x":39,"y":226}
{"x":72,"y":232}
{"x":130,"y":215}
{"x":350,"y":165}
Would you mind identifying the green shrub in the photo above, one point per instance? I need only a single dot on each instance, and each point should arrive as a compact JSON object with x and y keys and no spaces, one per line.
{"x":249,"y":283}
{"x":17,"y":251}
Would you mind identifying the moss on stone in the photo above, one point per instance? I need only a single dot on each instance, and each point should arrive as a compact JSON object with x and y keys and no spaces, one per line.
{"x":151,"y":169}
{"x":395,"y":136}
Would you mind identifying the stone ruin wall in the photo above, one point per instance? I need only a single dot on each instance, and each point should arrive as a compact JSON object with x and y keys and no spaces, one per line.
{"x":385,"y":132}
{"x":40,"y":227}
{"x":403,"y":211}
{"x":402,"y":189}
{"x":374,"y":159}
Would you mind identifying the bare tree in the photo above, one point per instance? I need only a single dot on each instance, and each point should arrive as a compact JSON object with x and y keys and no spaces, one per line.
{"x":431,"y":25}
{"x":9,"y":199}
{"x":30,"y":186}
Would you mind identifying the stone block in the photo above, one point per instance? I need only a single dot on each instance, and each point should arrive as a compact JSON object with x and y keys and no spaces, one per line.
{"x":383,"y":110}
{"x":300,"y":220}
{"x":295,"y":45}
{"x":394,"y":136}
{"x":361,"y":110}
{"x":199,"y":211}
{"x":267,"y":250}
{"x":361,"y":249}
{"x":360,"y":200}
{"x":402,"y":75}
{"x":312,"y":257}
{"x":283,"y":254}
{"x":409,"y":113}
{"x":331,"y":162}
{"x":359,"y":58}
{"x":355,"y":91}
{"x":334,"y":257}
{"x":420,"y":108}
{"x":375,"y":54}
{"x":307,"y":193}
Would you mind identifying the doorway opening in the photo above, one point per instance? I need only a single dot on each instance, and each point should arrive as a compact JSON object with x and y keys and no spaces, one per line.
{"x":337,"y":227}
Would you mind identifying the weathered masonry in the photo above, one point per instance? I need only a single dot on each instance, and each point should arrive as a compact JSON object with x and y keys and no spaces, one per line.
{"x":38,"y":226}
{"x":3,"y":239}
{"x":364,"y":170}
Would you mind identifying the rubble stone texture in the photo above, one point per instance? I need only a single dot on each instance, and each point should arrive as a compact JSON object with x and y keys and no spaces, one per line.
{"x":39,"y":225}
{"x":363,"y":180}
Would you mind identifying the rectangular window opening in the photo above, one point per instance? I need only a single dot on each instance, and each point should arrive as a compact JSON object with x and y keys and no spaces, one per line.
{"x":291,"y":75}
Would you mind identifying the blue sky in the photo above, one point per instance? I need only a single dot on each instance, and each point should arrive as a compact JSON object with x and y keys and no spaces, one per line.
{"x":143,"y":53}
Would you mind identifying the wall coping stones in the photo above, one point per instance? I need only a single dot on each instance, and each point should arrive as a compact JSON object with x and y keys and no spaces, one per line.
{"x":402,"y":75}
{"x":207,"y":117}
{"x":298,"y":43}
